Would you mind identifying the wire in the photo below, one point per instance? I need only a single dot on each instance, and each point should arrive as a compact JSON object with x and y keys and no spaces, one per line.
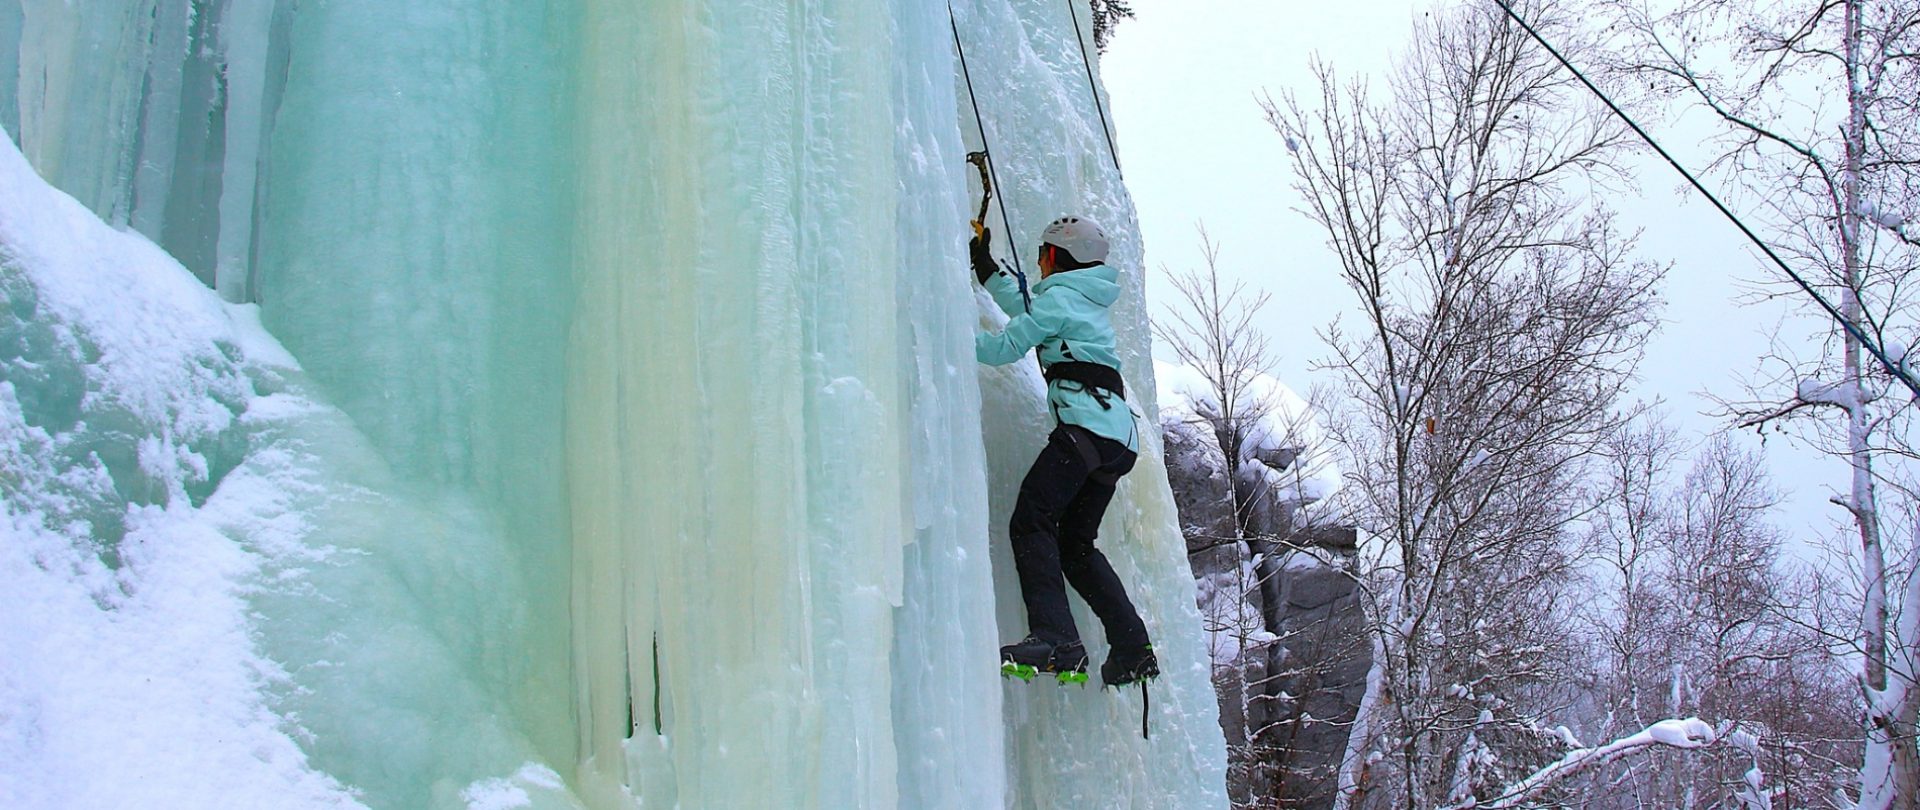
{"x":1851,"y":328}
{"x":982,"y":122}
{"x":1091,"y":87}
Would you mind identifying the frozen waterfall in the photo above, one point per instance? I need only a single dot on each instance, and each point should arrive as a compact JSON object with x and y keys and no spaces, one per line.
{"x":590,"y":419}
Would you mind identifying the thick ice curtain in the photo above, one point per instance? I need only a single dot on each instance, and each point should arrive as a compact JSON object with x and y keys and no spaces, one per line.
{"x":153,"y":113}
{"x":737,"y":419}
{"x":414,"y":256}
{"x":1076,"y":745}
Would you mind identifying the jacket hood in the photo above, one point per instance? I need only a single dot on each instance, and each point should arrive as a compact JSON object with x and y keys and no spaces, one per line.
{"x":1099,"y":283}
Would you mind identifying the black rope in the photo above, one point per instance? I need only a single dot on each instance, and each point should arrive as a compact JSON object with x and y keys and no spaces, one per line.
{"x":1146,"y":708}
{"x":984,"y":147}
{"x":1845,"y":324}
{"x":1091,"y":87}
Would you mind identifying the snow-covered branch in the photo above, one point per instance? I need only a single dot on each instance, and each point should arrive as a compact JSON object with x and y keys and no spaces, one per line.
{"x":1691,"y":733}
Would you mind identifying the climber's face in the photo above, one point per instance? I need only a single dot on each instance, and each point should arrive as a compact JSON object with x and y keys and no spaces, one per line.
{"x":1046,"y":261}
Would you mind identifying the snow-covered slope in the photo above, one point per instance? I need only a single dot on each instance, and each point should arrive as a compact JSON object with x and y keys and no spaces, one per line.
{"x":134,"y":525}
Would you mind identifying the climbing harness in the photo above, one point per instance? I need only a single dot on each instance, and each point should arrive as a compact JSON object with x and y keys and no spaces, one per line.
{"x":1093,"y":89}
{"x":1102,"y":381}
{"x":983,"y":160}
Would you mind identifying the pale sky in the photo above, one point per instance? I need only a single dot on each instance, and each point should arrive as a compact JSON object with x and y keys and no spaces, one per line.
{"x":1195,"y":146}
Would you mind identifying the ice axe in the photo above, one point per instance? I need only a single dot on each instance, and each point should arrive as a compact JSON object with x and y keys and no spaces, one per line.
{"x":983,"y":162}
{"x":979,"y":161}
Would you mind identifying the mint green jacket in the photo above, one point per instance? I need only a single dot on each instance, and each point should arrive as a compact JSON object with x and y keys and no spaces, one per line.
{"x":1068,"y":320}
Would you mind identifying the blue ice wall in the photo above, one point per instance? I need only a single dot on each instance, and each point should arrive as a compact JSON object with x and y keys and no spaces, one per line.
{"x":653,"y":450}
{"x":413,"y":249}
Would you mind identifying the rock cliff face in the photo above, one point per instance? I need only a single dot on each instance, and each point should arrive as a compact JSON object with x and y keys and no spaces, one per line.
{"x":1317,"y":672}
{"x":1284,"y":620}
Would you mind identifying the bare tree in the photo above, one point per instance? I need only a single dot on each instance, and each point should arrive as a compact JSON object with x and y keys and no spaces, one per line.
{"x":1238,"y":440}
{"x":1625,"y":541}
{"x":1211,"y":330}
{"x":1821,"y":125}
{"x":1707,"y":622}
{"x":1502,"y":317}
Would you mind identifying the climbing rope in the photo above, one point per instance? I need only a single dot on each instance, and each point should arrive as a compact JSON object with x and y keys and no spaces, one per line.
{"x":1851,"y":329}
{"x":1093,"y":89}
{"x":1146,"y":708}
{"x":989,"y":177}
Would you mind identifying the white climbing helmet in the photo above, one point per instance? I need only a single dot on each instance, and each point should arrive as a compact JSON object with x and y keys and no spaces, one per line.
{"x":1079,"y":237}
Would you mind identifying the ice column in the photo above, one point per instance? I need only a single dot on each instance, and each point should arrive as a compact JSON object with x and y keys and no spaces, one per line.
{"x":769,"y":418}
{"x":123,"y":104}
{"x":82,"y":70}
{"x":414,"y":254}
{"x":1068,"y":746}
{"x":11,"y":19}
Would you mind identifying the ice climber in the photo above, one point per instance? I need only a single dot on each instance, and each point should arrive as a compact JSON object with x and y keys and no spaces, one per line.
{"x":1094,"y":442}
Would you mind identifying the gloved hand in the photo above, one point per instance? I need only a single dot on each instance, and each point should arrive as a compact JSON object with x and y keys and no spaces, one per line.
{"x":983,"y":266}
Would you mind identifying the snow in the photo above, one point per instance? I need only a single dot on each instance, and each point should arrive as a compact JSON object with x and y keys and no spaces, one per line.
{"x":1284,"y":427}
{"x":1688,"y":733}
{"x":128,"y":674}
{"x":516,"y":791}
{"x":1233,"y":624}
{"x":1307,"y":559}
{"x":1896,"y":351}
{"x":1839,"y":394}
{"x":1884,"y":217}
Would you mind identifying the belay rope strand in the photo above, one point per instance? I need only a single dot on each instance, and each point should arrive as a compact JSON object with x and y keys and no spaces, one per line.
{"x":1146,"y":708}
{"x":989,"y":177}
{"x":1092,"y":89}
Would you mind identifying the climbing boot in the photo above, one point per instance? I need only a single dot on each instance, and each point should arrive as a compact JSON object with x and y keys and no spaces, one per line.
{"x":1030,"y":656}
{"x":1125,"y":665}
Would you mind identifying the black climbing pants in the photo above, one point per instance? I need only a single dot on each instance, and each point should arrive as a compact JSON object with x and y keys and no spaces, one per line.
{"x":1054,"y":524}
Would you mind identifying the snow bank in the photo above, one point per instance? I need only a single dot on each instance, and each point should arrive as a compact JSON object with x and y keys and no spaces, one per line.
{"x":128,"y":677}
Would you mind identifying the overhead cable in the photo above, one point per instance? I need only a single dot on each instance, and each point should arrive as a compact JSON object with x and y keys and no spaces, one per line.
{"x":1852,"y":329}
